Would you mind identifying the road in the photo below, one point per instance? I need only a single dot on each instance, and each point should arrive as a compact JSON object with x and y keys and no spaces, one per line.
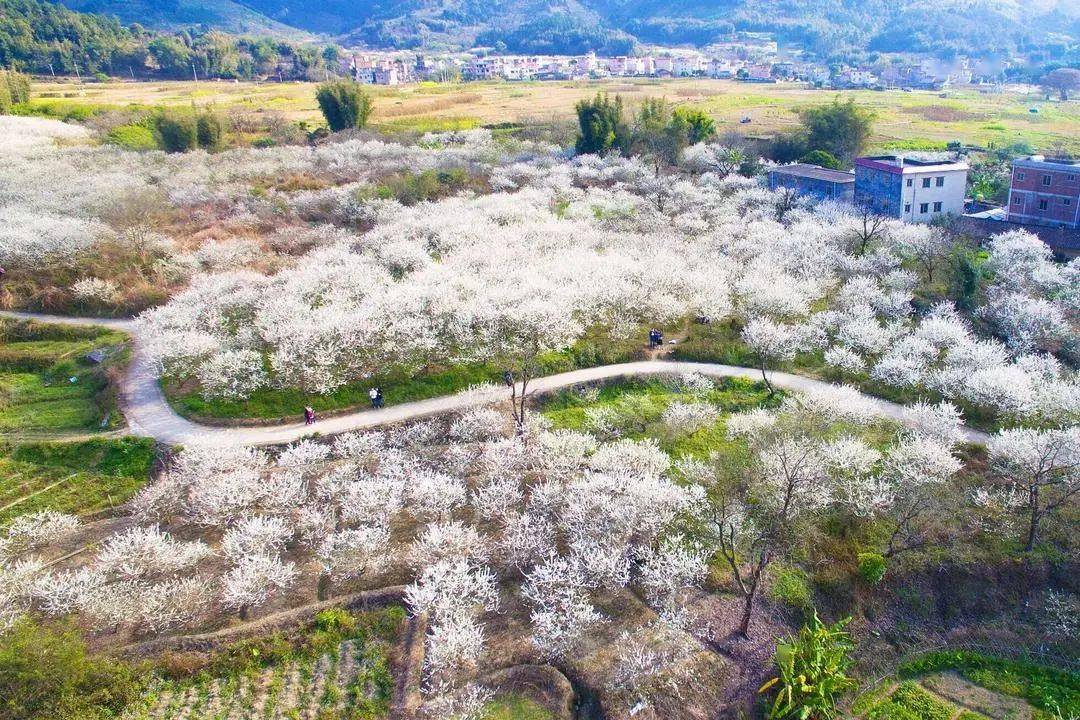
{"x":150,"y":415}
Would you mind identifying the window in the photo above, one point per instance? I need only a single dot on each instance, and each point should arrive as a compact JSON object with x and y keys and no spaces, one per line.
{"x":1016,"y":200}
{"x":1071,"y":178}
{"x":937,"y":207}
{"x":1020,"y":177}
{"x":924,"y":208}
{"x":907,"y":208}
{"x":1066,"y":201}
{"x":926,"y":182}
{"x":1043,"y":204}
{"x":910,"y":182}
{"x":1046,"y":180}
{"x":941,"y":182}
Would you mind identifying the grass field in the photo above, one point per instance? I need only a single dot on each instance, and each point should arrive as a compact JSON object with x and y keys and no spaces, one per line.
{"x":905,"y":119}
{"x":514,"y":707}
{"x":47,"y":385}
{"x":75,"y":477}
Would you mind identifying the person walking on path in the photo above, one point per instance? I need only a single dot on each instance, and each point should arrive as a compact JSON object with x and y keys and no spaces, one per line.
{"x":373,"y":393}
{"x":309,"y":416}
{"x":379,"y":398}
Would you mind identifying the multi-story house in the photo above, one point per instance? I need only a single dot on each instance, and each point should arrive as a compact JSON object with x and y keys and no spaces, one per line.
{"x":1045,"y":191}
{"x":910,"y":189}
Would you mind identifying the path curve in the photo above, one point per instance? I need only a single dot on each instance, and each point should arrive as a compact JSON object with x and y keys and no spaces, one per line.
{"x":149,"y":414}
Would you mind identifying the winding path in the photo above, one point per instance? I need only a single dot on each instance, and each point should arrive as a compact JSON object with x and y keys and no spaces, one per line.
{"x":150,"y":415}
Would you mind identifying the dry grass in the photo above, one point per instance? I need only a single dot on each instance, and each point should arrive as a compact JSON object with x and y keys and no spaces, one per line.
{"x":970,"y":115}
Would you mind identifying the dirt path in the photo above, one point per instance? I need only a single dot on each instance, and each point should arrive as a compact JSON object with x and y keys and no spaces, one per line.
{"x":150,"y":415}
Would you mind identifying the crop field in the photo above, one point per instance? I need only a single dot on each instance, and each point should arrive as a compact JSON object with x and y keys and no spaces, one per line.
{"x":47,"y":384}
{"x":906,"y":120}
{"x":78,"y":477}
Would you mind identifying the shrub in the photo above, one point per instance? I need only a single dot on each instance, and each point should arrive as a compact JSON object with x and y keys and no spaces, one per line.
{"x":47,"y":674}
{"x":14,"y":89}
{"x":209,"y":131}
{"x":335,"y":620}
{"x":871,"y":567}
{"x":791,"y":587}
{"x":822,"y":158}
{"x":344,"y":104}
{"x":132,"y":137}
{"x":178,"y":131}
{"x":911,"y":701}
{"x":811,"y":672}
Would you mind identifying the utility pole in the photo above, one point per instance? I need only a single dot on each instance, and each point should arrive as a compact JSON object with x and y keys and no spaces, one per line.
{"x":194,"y":73}
{"x":77,"y":75}
{"x":51,"y":71}
{"x":132,"y":71}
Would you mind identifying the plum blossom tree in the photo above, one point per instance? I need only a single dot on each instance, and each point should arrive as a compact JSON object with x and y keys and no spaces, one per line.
{"x":253,"y":580}
{"x":1043,"y":467}
{"x":771,"y":342}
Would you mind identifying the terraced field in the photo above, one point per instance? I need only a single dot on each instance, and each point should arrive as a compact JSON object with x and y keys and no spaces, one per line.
{"x":353,"y":681}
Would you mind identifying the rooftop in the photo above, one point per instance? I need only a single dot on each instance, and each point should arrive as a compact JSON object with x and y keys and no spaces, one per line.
{"x":1043,"y":160}
{"x":816,"y":172}
{"x":902,"y":164}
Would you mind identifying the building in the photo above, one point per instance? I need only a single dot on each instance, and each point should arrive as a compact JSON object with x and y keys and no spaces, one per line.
{"x":815,"y":181}
{"x":913,"y":190}
{"x":1045,"y":191}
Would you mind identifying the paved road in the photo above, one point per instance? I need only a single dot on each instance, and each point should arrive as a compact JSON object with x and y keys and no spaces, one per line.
{"x":149,"y":414}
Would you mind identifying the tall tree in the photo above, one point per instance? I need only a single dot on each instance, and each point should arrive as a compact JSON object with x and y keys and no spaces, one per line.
{"x":602,"y":125}
{"x":344,"y":104}
{"x":841,"y":129}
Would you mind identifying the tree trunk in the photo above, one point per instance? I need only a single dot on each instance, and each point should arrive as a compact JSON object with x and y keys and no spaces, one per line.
{"x":748,"y":611}
{"x":244,"y":612}
{"x":1033,"y":525}
{"x":323,"y":590}
{"x":766,"y":379}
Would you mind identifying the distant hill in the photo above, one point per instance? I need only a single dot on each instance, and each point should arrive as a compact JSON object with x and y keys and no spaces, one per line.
{"x":831,"y":28}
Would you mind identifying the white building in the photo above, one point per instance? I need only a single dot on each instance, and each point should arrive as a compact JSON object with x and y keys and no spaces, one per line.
{"x":911,"y":189}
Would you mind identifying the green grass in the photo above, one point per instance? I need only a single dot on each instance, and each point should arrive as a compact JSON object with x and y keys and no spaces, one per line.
{"x":514,"y":707}
{"x":1048,"y":689}
{"x":48,"y":386}
{"x":73,"y":477}
{"x":272,"y":404}
{"x":637,"y":407}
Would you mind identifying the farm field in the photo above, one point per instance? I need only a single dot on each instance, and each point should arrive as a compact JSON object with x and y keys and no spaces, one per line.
{"x":48,"y":384}
{"x":906,"y":120}
{"x":75,"y":477}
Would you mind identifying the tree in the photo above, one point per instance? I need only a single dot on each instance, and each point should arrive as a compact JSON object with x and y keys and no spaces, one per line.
{"x":1063,"y":80}
{"x":178,"y":131}
{"x":700,"y":127}
{"x":771,"y":342}
{"x":47,"y":674}
{"x":209,"y":130}
{"x":840,"y":128}
{"x":811,"y":672}
{"x":602,"y":127}
{"x":823,"y":159}
{"x":344,"y":104}
{"x":1043,"y":466}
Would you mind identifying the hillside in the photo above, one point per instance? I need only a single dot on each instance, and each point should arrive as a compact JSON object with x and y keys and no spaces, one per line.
{"x":827,"y":26}
{"x":224,"y":15}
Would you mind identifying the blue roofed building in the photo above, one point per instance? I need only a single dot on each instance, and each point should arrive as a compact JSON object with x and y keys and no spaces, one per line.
{"x":814,"y":181}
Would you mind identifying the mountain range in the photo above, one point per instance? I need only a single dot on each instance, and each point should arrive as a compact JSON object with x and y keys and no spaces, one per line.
{"x":826,"y":27}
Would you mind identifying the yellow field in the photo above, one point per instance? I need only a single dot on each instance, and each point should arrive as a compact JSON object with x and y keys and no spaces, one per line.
{"x":905,"y":119}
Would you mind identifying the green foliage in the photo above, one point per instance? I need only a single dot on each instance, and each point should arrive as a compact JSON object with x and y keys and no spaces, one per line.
{"x":822,"y":158}
{"x":1049,"y":689}
{"x":966,"y":281}
{"x":871,"y":567}
{"x":46,"y":673}
{"x":344,"y":104}
{"x":209,"y":130}
{"x":791,"y":587}
{"x":911,"y":702}
{"x":178,"y":131}
{"x":841,"y":129}
{"x":699,"y":126}
{"x":602,"y":127}
{"x":75,"y":477}
{"x":132,"y":137}
{"x":812,"y":672}
{"x":335,"y":620}
{"x":425,"y":186}
{"x":14,"y":89}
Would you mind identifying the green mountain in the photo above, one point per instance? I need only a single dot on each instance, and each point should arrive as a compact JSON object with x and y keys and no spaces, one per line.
{"x":1049,"y":29}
